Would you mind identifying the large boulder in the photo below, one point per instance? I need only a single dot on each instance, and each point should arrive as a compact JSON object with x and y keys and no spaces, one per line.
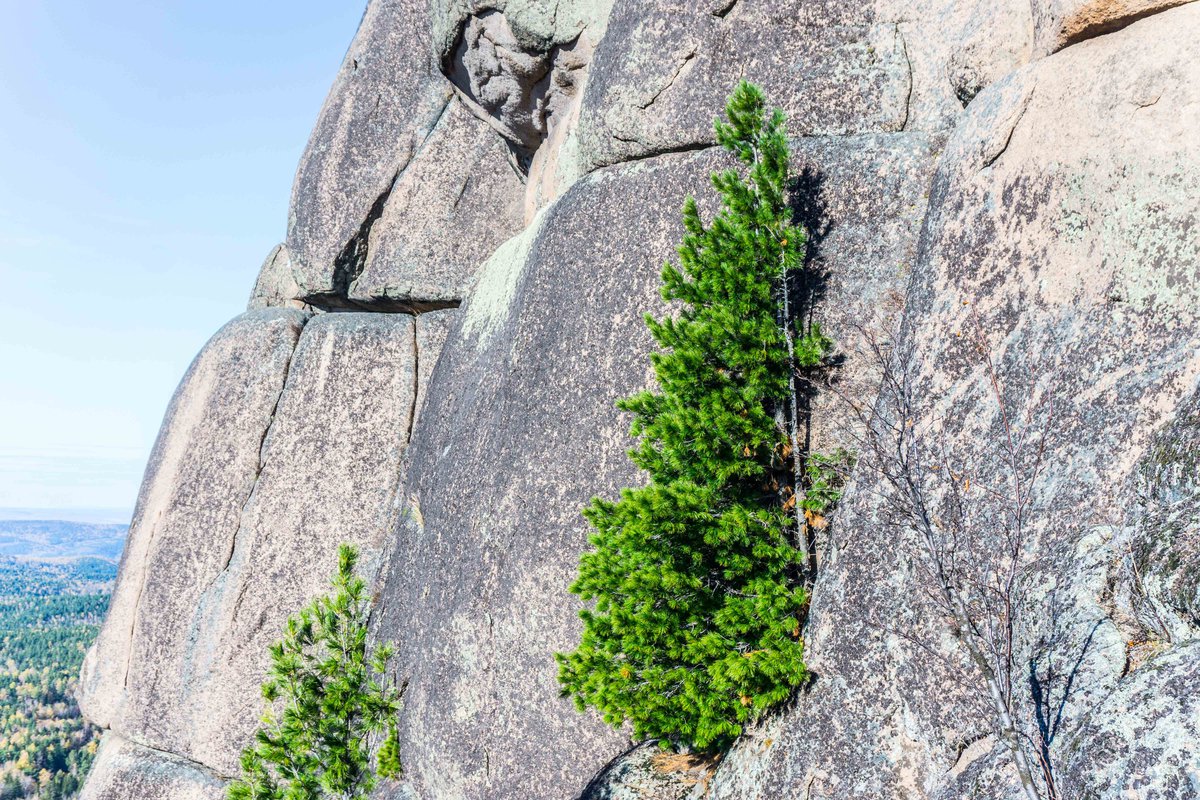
{"x":405,"y":188}
{"x":1058,"y":247}
{"x":521,"y":65}
{"x":432,"y":329}
{"x":448,"y":210}
{"x":276,"y":284}
{"x":214,"y":568}
{"x":663,"y":71}
{"x":385,"y":102}
{"x":201,"y":472}
{"x":862,"y":200}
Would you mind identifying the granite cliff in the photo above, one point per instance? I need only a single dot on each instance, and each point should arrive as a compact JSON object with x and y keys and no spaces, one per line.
{"x":429,"y":359}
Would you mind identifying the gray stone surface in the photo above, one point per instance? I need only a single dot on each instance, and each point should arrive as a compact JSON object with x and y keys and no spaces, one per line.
{"x":519,"y":431}
{"x":1058,"y":239}
{"x":646,"y":772}
{"x":536,"y":24}
{"x":1141,"y":740}
{"x":201,"y":472}
{"x":1159,"y":585}
{"x":522,"y":66}
{"x":522,"y":88}
{"x":1059,"y":23}
{"x":387,"y":97}
{"x":126,"y":771}
{"x":458,"y":200}
{"x":956,"y":48}
{"x":661,"y":74}
{"x":401,"y":193}
{"x":862,"y":199}
{"x":837,"y":68}
{"x":432,"y":329}
{"x":329,"y":470}
{"x":276,"y":285}
{"x":212,"y":598}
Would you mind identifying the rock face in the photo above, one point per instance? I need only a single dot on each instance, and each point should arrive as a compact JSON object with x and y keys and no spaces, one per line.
{"x":385,"y":102}
{"x":306,"y":430}
{"x":201,"y":472}
{"x":664,"y":71}
{"x":1063,"y":22}
{"x":1002,"y":179}
{"x":532,"y":397}
{"x":1062,"y":259}
{"x":123,"y":771}
{"x":458,"y":200}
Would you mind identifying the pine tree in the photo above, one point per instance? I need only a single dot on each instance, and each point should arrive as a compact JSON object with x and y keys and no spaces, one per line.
{"x":698,"y":577}
{"x":327,"y":695}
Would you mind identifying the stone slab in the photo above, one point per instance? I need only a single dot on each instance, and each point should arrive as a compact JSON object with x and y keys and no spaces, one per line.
{"x":387,"y":97}
{"x":201,"y":472}
{"x":125,"y":771}
{"x":456,"y":202}
{"x":321,"y":469}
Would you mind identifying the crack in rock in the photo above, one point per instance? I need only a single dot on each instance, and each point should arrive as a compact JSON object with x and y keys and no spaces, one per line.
{"x":721,"y":12}
{"x":683,"y":65}
{"x":352,"y":260}
{"x":262,"y":463}
{"x":998,"y":144}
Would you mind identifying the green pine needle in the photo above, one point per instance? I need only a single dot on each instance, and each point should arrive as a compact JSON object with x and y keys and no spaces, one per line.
{"x":698,"y":605}
{"x":328,"y":695}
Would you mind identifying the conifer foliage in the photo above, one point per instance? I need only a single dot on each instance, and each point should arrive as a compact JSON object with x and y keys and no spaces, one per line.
{"x":697,"y":578}
{"x":327,"y":696}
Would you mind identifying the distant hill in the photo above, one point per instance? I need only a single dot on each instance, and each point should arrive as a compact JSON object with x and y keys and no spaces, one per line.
{"x":56,"y":540}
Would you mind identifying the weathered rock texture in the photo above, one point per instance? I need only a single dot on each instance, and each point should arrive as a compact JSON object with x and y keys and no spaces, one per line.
{"x":836,"y":68}
{"x":201,"y":473}
{"x":416,"y":170}
{"x":280,"y":444}
{"x":458,"y":200}
{"x":990,"y":177}
{"x":1063,"y":22}
{"x":1058,"y":238}
{"x":386,"y":101}
{"x":276,"y":285}
{"x":123,"y":771}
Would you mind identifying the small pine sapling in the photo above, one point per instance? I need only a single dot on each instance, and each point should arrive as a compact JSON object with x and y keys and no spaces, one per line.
{"x":328,"y":696}
{"x":698,"y":577}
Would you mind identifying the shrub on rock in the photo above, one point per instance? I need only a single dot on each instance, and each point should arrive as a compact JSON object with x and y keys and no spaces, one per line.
{"x":327,"y":696}
{"x":697,"y":577}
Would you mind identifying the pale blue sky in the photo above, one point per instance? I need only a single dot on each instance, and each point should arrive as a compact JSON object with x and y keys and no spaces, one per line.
{"x":146,"y":159}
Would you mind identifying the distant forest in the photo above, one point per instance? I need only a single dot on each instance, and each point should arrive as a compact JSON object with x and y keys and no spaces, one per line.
{"x":49,"y":615}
